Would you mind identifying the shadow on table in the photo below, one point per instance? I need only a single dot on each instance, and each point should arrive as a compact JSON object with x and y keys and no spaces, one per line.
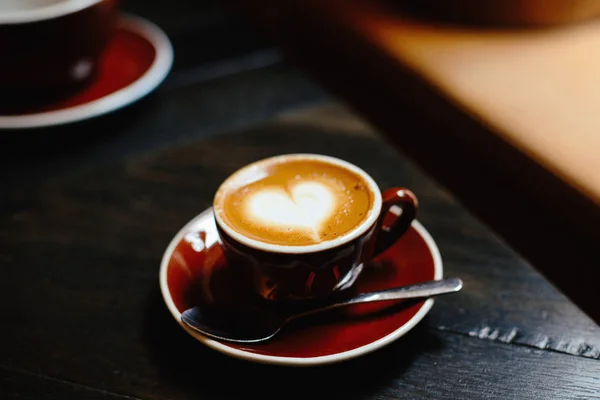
{"x":185,"y":366}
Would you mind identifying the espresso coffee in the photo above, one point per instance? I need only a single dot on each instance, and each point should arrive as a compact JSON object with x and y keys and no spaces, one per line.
{"x":22,"y":5}
{"x":294,"y":201}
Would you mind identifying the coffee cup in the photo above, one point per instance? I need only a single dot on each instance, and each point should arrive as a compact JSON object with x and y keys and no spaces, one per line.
{"x":50,"y":47}
{"x":301,"y":227}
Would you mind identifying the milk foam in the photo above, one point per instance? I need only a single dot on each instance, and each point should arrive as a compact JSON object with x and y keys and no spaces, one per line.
{"x":303,"y":207}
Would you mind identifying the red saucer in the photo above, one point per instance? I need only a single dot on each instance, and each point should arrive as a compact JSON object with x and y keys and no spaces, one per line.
{"x":136,"y":60}
{"x":194,"y":273}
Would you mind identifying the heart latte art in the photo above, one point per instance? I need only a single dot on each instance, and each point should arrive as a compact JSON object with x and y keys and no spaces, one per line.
{"x":296,"y":202}
{"x":306,"y":206}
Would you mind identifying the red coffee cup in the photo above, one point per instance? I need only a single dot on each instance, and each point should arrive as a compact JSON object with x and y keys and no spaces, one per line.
{"x":314,"y":272}
{"x":48,"y":47}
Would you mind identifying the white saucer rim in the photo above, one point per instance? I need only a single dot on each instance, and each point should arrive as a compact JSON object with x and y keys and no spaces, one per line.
{"x":296,"y":361}
{"x":127,"y":95}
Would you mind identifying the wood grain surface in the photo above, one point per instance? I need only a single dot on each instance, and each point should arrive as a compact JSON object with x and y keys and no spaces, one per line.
{"x":83,"y":317}
{"x":23,"y":385}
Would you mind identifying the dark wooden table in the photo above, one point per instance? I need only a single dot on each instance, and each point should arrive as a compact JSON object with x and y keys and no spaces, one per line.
{"x":82,"y":231}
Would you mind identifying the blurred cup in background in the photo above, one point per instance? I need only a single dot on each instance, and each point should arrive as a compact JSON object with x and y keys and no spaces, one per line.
{"x":51,"y":47}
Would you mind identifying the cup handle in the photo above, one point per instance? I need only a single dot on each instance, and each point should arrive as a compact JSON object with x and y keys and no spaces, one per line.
{"x":394,"y":222}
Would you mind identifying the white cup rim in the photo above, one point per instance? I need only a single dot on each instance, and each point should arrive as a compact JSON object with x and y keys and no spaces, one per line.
{"x":50,"y":11}
{"x":362,"y":228}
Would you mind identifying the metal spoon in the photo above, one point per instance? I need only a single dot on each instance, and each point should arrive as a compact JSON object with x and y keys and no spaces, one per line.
{"x":242,"y":323}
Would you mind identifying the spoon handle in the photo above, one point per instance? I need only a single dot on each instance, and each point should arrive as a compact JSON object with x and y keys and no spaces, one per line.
{"x":417,"y":290}
{"x":425,"y":289}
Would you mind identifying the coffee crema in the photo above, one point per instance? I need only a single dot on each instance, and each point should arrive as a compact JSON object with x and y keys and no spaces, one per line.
{"x":294,"y":201}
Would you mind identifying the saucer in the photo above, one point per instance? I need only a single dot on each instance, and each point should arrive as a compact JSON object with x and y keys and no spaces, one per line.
{"x":193,"y":272}
{"x":136,"y":61}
